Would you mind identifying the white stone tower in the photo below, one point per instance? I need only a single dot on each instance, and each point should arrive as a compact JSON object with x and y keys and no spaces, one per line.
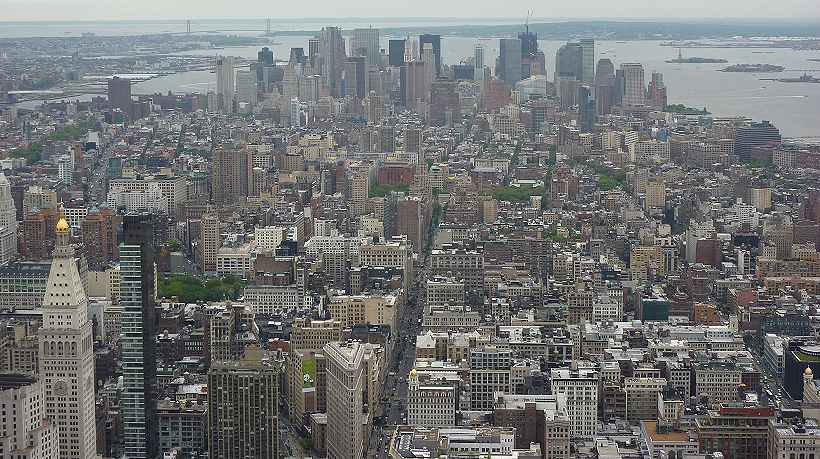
{"x":67,"y":355}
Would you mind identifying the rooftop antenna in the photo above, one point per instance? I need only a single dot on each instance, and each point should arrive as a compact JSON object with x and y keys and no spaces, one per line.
{"x":188,"y":26}
{"x":267,"y":27}
{"x":527,"y":21}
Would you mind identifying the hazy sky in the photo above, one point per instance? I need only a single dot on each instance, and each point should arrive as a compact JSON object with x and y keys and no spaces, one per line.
{"x":25,"y":10}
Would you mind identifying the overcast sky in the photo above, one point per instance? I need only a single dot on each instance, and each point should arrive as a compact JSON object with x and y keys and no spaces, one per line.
{"x":26,"y":10}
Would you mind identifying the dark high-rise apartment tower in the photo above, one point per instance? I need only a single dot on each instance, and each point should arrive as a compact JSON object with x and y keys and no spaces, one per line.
{"x":509,"y":61}
{"x":119,"y":94}
{"x":395,"y":51}
{"x":586,"y":108}
{"x":604,"y":86}
{"x":138,"y":401}
{"x":755,"y":134}
{"x":435,"y":40}
{"x":587,"y":60}
{"x":356,"y":76}
{"x":332,"y":54}
{"x":265,"y":56}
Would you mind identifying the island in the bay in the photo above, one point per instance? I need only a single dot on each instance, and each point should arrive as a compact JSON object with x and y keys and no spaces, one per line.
{"x":753,"y":68}
{"x":694,"y":60}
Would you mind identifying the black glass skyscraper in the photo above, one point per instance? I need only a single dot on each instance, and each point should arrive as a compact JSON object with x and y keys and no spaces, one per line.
{"x":396,"y":50}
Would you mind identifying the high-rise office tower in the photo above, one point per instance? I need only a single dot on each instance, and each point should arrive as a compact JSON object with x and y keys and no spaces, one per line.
{"x":29,"y":434}
{"x":265,"y":56}
{"x":657,"y":91}
{"x":478,"y":62}
{"x":243,"y":410}
{"x":532,"y":61}
{"x":246,"y":87}
{"x":346,"y":379}
{"x":365,"y":42}
{"x":100,"y":228}
{"x":754,"y":134}
{"x":138,"y":401}
{"x":8,"y":222}
{"x":569,"y":61}
{"x":297,"y":56}
{"x":414,"y":84}
{"x":588,"y":60}
{"x":119,"y":94}
{"x":428,"y":57}
{"x":356,"y":76}
{"x":210,"y":240}
{"x":395,"y":51}
{"x":434,"y":40}
{"x":225,"y":86}
{"x":313,"y":53}
{"x":620,"y":88}
{"x":529,"y":43}
{"x":586,"y":108}
{"x":444,"y":103}
{"x":634,"y":87}
{"x":332,"y":53}
{"x":67,"y":354}
{"x":509,"y":61}
{"x":229,"y":174}
{"x":604,"y":86}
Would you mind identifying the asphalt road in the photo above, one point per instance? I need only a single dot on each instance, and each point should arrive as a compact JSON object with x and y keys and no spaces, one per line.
{"x":402,"y":361}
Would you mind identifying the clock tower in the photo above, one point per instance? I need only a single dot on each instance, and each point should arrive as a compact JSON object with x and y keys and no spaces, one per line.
{"x":67,"y":354}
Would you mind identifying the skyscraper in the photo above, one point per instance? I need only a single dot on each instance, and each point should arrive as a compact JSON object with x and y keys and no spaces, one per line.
{"x":478,"y":62}
{"x":8,"y":222}
{"x":754,"y":134}
{"x":434,"y":40}
{"x":509,"y":61}
{"x":569,"y":61}
{"x":67,"y":354}
{"x":138,"y":401}
{"x":119,"y":94}
{"x":225,"y":86}
{"x":210,"y":240}
{"x":586,"y":108}
{"x":365,"y":42}
{"x":588,"y":60}
{"x":246,"y":87}
{"x":243,"y":410}
{"x":99,"y":229}
{"x":265,"y":56}
{"x":346,"y":381}
{"x":414,"y":84}
{"x":395,"y":51}
{"x":657,"y":91}
{"x":356,"y":76}
{"x":428,"y":57}
{"x":634,"y":87}
{"x":229,"y":174}
{"x":604,"y":86}
{"x":313,"y":52}
{"x":332,"y":54}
